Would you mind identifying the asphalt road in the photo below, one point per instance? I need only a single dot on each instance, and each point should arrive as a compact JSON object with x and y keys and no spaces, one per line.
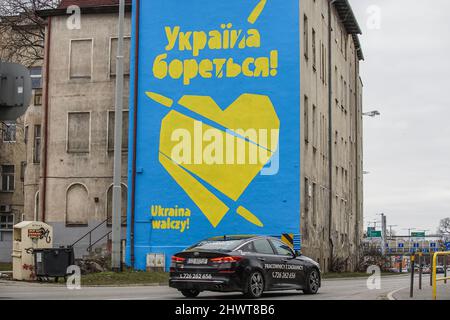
{"x":339,"y":289}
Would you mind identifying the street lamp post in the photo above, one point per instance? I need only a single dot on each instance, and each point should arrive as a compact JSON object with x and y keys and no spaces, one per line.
{"x":117,"y":184}
{"x":372,"y":114}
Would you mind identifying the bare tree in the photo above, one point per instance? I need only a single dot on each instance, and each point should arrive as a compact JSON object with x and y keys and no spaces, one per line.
{"x":22,"y":31}
{"x":444,"y":226}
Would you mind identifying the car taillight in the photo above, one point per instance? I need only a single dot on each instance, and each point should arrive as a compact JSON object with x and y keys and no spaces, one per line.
{"x":176,"y":259}
{"x":226,"y":259}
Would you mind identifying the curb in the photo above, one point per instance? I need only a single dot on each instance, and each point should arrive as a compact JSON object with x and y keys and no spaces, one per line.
{"x":359,"y":278}
{"x":126,"y":285}
{"x":56,"y":285}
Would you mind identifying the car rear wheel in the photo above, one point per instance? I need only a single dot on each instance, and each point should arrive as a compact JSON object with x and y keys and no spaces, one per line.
{"x":255,"y":285}
{"x":312,"y":282}
{"x":191,"y":293}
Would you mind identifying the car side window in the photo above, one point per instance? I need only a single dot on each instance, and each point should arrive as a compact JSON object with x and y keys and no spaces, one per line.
{"x":248,"y":247}
{"x":263,"y":246}
{"x":282,"y":249}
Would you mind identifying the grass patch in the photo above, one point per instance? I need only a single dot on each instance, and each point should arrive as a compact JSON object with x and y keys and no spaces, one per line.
{"x":5,"y":266}
{"x":335,"y":275}
{"x":124,"y":278}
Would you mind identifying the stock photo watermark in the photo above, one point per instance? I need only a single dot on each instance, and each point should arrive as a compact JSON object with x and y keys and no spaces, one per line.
{"x":253,"y":147}
{"x":374,"y":280}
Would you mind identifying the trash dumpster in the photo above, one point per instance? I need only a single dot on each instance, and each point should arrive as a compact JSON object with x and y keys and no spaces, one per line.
{"x":53,"y":263}
{"x":29,"y":236}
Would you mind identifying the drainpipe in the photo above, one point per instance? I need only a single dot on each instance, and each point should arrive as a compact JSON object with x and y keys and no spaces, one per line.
{"x":330,"y":134}
{"x":135,"y":103}
{"x":46,"y":108}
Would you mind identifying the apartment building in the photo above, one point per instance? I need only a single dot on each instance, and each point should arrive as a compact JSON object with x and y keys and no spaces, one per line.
{"x":331,"y":90}
{"x":77,"y":135}
{"x":19,"y":156}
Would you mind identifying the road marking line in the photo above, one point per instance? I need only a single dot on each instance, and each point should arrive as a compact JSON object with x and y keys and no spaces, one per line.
{"x":390,"y":295}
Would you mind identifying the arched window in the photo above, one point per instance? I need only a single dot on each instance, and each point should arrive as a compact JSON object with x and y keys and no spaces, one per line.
{"x":77,"y":205}
{"x":109,"y":206}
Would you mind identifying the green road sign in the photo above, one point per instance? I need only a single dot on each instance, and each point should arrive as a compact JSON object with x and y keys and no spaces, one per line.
{"x":374,"y":234}
{"x":418,"y":234}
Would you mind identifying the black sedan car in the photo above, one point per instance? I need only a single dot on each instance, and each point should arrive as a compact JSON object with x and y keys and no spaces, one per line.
{"x":247,"y":264}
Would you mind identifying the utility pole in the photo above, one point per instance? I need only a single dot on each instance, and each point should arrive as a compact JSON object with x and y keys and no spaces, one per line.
{"x":117,"y":186}
{"x":390,"y":229}
{"x":383,"y":234}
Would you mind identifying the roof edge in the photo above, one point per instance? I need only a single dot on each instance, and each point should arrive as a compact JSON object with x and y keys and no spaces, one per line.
{"x":86,"y":10}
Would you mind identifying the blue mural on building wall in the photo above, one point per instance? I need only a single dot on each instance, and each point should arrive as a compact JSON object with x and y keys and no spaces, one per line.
{"x":218,"y":122}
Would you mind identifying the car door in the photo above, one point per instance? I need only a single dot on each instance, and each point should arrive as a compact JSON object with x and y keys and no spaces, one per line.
{"x":267,"y":258}
{"x":294,"y":269}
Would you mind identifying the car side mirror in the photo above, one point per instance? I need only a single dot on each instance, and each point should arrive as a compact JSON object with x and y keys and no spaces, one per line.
{"x":298,"y":253}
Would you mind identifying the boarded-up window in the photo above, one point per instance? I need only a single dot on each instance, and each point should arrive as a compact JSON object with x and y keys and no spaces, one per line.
{"x":77,"y":205}
{"x":78,"y":132}
{"x":109,"y":206}
{"x":126,"y":55}
{"x":111,"y":123}
{"x":80,"y":58}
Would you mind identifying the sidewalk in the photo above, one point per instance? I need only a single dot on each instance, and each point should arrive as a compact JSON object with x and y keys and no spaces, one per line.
{"x":443,"y":292}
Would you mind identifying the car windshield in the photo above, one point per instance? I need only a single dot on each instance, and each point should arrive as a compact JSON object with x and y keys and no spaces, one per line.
{"x":224,"y":245}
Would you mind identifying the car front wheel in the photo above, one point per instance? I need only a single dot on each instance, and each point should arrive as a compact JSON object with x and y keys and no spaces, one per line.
{"x":312,"y":282}
{"x":255,"y":285}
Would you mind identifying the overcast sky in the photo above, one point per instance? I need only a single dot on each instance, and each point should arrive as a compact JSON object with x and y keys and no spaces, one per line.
{"x":406,"y":76}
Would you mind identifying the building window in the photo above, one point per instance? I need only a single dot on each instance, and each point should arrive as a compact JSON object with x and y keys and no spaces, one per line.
{"x":113,"y":55}
{"x":111,"y":122}
{"x":37,"y":144}
{"x":36,"y":206}
{"x":314,"y":126}
{"x":77,"y":201}
{"x":109,"y":206}
{"x":314,"y":203}
{"x":25,"y":135}
{"x":305,"y":36}
{"x":80,"y":65}
{"x":23,"y":167}
{"x":6,"y":222}
{"x":36,"y":77}
{"x":7,"y":177}
{"x":9,"y":131}
{"x":78,"y":132}
{"x":38,"y":97}
{"x":306,"y":119}
{"x":314,"y":55}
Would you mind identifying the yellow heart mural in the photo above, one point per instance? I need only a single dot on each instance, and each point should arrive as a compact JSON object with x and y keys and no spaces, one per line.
{"x":242,"y":132}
